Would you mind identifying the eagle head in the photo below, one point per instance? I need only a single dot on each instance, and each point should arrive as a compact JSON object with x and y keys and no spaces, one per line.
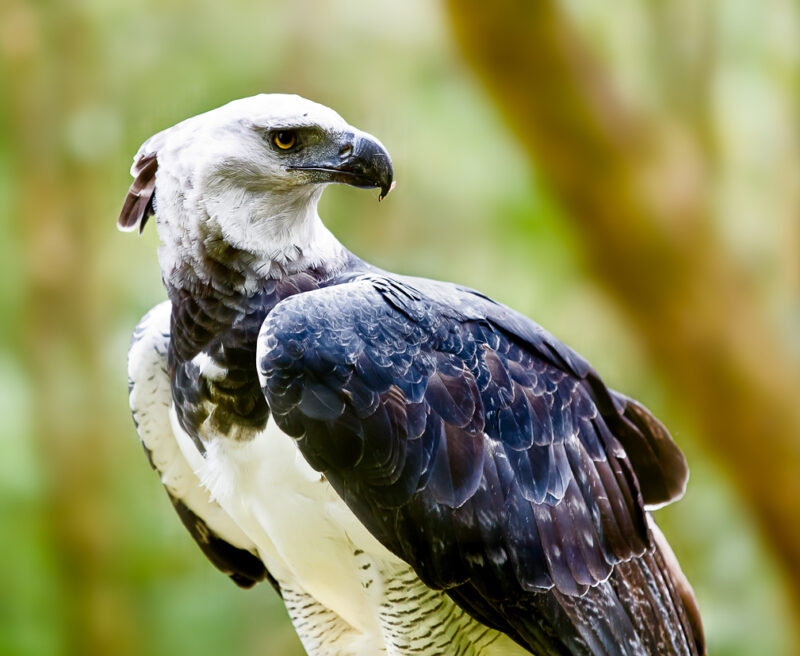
{"x":250,"y":174}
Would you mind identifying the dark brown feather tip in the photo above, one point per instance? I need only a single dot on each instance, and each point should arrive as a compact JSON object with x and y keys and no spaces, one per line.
{"x":138,"y":206}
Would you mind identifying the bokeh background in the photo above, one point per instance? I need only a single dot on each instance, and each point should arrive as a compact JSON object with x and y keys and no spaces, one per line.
{"x":626,"y":173}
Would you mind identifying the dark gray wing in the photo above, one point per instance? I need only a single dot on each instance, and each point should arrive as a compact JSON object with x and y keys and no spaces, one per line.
{"x":223,"y":543}
{"x":483,"y":452}
{"x":660,"y":466}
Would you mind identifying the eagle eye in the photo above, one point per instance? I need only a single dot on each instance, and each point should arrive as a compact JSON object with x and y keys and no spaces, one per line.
{"x":284,"y":139}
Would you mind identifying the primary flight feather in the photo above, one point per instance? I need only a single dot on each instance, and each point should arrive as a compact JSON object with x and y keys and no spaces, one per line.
{"x":415,"y":468}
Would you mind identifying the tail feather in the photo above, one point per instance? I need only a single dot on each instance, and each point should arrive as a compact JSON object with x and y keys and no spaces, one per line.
{"x":684,"y":598}
{"x":645,"y":607}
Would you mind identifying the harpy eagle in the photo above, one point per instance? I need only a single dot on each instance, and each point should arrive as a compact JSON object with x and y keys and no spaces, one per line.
{"x":415,"y":468}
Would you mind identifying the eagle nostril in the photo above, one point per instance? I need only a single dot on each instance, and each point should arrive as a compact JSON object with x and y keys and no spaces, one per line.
{"x":345,"y":151}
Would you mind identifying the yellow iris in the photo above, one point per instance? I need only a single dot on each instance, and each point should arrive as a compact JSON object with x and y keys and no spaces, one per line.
{"x":284,"y":139}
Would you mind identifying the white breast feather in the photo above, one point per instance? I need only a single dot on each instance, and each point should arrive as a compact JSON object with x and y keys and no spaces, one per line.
{"x":150,"y":400}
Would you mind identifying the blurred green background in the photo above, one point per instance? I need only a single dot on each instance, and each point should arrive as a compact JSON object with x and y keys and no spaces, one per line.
{"x":93,"y":559}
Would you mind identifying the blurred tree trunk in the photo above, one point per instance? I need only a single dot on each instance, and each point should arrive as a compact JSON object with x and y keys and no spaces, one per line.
{"x":52,"y":68}
{"x":644,"y":217}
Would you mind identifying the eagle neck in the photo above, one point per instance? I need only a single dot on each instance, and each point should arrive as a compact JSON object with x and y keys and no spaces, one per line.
{"x":222,"y":326}
{"x":204,"y":310}
{"x":209,"y":260}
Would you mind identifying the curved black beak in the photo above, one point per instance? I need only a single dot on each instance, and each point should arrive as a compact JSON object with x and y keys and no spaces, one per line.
{"x":359,"y":161}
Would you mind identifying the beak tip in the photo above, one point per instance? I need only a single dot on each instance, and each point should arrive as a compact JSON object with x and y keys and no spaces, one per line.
{"x":386,"y":190}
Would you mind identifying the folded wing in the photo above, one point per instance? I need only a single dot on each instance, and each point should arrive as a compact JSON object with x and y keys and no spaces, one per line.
{"x":478,"y":448}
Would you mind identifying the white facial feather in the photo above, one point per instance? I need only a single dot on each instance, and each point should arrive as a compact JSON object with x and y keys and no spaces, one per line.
{"x":220,"y":183}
